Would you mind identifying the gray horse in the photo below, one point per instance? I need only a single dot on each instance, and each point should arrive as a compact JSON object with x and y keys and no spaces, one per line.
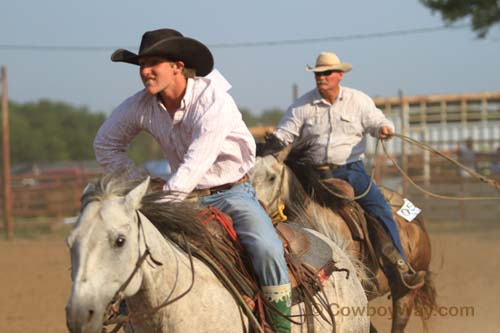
{"x":112,"y":238}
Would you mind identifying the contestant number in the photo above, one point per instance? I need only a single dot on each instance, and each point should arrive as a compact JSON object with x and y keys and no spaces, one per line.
{"x":408,"y":211}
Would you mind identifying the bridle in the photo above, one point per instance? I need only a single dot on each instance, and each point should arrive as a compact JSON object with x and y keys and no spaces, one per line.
{"x":112,"y":314}
{"x":278,"y":215}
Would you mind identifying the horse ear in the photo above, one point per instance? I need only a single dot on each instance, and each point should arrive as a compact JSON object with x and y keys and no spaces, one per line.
{"x":282,"y":154}
{"x":88,"y":189}
{"x":134,"y":197}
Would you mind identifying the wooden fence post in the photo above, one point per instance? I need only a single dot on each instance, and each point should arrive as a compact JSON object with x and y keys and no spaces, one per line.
{"x":7,"y":194}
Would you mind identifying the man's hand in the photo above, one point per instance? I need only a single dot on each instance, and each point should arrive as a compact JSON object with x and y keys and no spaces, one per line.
{"x":156,"y":184}
{"x":385,"y":133}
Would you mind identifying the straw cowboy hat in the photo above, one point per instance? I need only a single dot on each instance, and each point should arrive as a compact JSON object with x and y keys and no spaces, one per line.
{"x":172,"y":45}
{"x":329,"y":61}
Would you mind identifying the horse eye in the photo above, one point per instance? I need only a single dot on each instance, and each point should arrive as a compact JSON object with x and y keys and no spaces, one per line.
{"x":272,"y":178}
{"x":120,"y":241}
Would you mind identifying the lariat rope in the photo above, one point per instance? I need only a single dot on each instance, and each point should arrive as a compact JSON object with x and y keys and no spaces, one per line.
{"x":357,"y":197}
{"x":234,"y":291}
{"x":424,"y":146}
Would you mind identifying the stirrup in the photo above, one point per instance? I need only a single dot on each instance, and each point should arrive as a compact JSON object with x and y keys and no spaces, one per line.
{"x":405,"y":270}
{"x":403,"y":267}
{"x":418,"y":277}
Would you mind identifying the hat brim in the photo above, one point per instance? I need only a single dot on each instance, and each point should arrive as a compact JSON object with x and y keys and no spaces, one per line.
{"x":193,"y":53}
{"x":344,"y":67}
{"x":122,"y":55}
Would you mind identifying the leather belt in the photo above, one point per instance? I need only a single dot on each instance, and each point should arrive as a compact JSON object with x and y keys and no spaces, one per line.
{"x":217,"y":189}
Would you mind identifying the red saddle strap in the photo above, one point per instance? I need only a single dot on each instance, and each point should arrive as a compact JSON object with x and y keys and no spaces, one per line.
{"x":212,"y":213}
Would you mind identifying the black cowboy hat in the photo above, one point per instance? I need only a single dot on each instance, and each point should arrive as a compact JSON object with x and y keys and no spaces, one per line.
{"x":172,"y":45}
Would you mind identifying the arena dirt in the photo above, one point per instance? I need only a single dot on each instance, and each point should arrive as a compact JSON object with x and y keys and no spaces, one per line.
{"x":35,"y":284}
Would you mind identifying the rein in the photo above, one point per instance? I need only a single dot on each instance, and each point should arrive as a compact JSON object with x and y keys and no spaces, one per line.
{"x":112,"y":311}
{"x":278,"y":215}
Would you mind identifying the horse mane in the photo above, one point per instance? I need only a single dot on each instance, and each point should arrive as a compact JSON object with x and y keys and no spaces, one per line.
{"x":174,"y":220}
{"x":111,"y":184}
{"x":299,"y":195}
{"x":299,"y":160}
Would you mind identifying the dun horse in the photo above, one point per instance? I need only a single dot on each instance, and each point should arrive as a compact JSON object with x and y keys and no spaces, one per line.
{"x":277,"y":184}
{"x":114,"y":247}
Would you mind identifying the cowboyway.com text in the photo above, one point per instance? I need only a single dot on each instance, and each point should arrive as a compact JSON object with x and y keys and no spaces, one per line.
{"x":386,"y":311}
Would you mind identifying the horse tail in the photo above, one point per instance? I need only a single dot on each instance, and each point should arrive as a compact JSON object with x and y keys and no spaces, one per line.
{"x":425,"y":299}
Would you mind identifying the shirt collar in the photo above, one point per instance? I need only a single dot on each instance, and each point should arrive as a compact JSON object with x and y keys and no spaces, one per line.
{"x":317,"y":98}
{"x":185,"y":103}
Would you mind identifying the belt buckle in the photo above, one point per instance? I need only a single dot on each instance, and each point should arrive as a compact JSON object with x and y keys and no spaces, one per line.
{"x":199,"y":193}
{"x":218,"y":189}
{"x":334,"y":166}
{"x":323,"y":167}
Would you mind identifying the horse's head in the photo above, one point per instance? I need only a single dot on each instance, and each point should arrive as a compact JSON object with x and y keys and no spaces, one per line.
{"x":268,"y":178}
{"x":275,"y":179}
{"x":105,"y":247}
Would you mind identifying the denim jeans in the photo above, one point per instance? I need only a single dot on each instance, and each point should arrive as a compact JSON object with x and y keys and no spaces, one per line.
{"x":374,"y":202}
{"x":255,"y":232}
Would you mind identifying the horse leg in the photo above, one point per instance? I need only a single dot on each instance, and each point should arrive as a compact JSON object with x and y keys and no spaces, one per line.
{"x":402,"y":307}
{"x":372,"y":328}
{"x":423,"y":299}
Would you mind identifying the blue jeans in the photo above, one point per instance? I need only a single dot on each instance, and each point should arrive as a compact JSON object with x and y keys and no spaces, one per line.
{"x":255,"y":231}
{"x":373,"y":202}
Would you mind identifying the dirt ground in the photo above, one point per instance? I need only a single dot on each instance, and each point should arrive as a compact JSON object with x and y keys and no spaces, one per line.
{"x":35,"y":283}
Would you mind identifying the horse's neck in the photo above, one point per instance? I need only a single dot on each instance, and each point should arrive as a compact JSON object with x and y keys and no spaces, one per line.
{"x":294,"y":191}
{"x":167,"y":272}
{"x":321,"y":218}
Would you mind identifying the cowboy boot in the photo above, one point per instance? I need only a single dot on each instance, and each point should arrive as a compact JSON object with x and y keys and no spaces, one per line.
{"x":281,"y":298}
{"x":410,"y":278}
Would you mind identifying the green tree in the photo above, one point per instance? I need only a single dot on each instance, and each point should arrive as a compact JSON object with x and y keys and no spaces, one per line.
{"x":484,"y":13}
{"x":249,"y":119}
{"x":271,"y":117}
{"x":51,"y":131}
{"x":48,"y":131}
{"x":145,"y":148}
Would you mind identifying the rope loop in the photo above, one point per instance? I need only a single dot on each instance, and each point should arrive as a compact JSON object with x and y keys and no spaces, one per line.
{"x":425,"y":146}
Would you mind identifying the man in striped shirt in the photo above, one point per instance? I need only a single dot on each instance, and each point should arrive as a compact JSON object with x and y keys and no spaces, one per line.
{"x":207,"y":144}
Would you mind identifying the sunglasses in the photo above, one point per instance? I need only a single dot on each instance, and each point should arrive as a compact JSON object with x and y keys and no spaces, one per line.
{"x":325,"y":73}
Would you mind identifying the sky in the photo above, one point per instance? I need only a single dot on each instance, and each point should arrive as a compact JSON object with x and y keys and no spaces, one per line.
{"x":438,"y":62}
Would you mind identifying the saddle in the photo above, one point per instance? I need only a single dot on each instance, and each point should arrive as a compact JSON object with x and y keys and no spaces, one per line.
{"x":372,"y":236}
{"x":308,"y":257}
{"x":353,"y":214}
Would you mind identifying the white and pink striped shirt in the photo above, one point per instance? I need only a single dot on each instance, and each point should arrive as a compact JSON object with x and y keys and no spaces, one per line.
{"x":206,"y":143}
